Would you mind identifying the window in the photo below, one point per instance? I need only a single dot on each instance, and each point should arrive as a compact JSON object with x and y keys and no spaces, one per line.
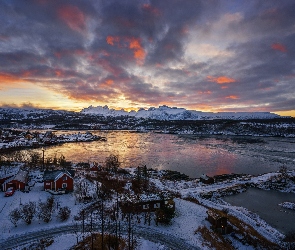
{"x":146,"y":206}
{"x":157,"y":205}
{"x":64,"y":178}
{"x":64,"y":185}
{"x":47,"y":184}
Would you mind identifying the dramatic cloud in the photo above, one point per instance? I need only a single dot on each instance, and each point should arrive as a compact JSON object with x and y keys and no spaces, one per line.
{"x":207,"y":55}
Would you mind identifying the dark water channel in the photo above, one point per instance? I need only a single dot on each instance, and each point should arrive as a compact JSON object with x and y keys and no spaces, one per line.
{"x":265,"y":204}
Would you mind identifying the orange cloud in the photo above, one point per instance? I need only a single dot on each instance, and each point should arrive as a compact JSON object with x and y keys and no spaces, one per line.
{"x":106,"y":84}
{"x":138,"y":51}
{"x":5,"y":78}
{"x":112,"y":39}
{"x":133,"y":43}
{"x":73,"y":17}
{"x":234,"y":97}
{"x":279,"y":47}
{"x":109,"y":82}
{"x":221,"y":79}
{"x":58,"y":73}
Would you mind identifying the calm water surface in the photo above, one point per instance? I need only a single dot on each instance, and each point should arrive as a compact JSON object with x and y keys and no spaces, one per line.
{"x":265,"y":204}
{"x":191,"y":155}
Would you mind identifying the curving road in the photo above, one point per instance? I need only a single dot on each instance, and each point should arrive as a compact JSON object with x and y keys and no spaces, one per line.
{"x":147,"y":233}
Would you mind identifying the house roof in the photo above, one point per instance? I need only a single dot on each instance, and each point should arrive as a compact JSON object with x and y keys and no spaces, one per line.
{"x":147,"y":198}
{"x":215,"y":216}
{"x":205,"y":177}
{"x":11,"y":171}
{"x":56,"y":174}
{"x":21,"y":176}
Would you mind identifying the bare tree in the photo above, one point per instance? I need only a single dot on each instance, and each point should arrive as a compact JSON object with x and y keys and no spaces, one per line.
{"x":81,"y":189}
{"x":101,"y":192}
{"x":35,"y":158}
{"x":284,"y":172}
{"x":112,"y":163}
{"x":19,"y":156}
{"x":62,"y":160}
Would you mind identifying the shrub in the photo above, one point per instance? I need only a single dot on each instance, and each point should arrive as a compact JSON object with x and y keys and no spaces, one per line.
{"x":45,"y":209}
{"x":64,"y":213}
{"x":14,"y":216}
{"x":28,"y":211}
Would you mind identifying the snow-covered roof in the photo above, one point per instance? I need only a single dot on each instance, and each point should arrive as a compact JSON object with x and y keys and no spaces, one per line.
{"x":205,"y":177}
{"x":147,"y":197}
{"x":216,"y":216}
{"x":21,"y":176}
{"x":4,"y":173}
{"x":56,"y":174}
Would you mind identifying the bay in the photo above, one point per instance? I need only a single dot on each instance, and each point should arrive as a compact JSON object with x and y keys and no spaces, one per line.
{"x":265,"y":203}
{"x":190,"y":154}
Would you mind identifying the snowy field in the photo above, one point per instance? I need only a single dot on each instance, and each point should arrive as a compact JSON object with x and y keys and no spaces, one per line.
{"x":189,"y":216}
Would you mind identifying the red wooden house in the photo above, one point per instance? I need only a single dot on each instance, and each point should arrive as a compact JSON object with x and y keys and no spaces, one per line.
{"x":59,"y":180}
{"x":3,"y":178}
{"x":17,"y":181}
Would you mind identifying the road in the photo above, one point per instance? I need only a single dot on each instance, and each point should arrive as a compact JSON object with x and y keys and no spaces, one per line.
{"x":148,"y":233}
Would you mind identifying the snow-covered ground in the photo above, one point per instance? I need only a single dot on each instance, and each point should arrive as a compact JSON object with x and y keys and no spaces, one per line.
{"x":189,"y":215}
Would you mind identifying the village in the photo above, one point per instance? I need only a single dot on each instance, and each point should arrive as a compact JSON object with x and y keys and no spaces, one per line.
{"x":108,"y":205}
{"x":13,"y":139}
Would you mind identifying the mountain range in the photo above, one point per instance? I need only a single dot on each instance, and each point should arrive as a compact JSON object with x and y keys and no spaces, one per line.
{"x":173,"y":113}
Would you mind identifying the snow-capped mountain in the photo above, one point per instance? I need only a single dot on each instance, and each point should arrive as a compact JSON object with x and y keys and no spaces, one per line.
{"x":28,"y":113}
{"x":173,"y":113}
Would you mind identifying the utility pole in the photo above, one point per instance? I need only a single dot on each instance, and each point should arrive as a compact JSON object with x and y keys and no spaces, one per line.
{"x":83,"y":222}
{"x":129,"y":230}
{"x":43,"y":159}
{"x":102,"y":214}
{"x":91,"y":231}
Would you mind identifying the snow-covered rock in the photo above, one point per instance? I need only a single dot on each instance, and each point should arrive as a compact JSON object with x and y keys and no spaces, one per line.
{"x":287,"y":204}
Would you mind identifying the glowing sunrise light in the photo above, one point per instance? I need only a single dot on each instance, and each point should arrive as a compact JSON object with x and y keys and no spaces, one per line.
{"x":234,"y":97}
{"x":73,"y":54}
{"x":221,"y":79}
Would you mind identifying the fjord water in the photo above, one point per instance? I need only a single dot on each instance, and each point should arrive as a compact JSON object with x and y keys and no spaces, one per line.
{"x":265,"y":204}
{"x":189,"y":154}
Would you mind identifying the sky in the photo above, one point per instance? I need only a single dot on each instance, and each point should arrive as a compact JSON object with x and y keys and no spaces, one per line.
{"x":207,"y":55}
